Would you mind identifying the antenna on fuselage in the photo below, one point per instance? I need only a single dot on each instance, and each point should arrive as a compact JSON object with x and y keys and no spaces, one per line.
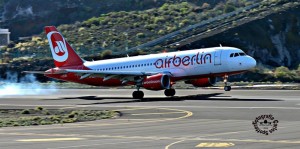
{"x":221,"y":45}
{"x":127,"y":55}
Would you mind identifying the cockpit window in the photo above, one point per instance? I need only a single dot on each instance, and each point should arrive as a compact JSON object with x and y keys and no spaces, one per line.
{"x":242,"y":54}
{"x":237,"y":54}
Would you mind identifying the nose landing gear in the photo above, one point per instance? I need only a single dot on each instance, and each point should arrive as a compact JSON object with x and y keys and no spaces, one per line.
{"x":227,"y":87}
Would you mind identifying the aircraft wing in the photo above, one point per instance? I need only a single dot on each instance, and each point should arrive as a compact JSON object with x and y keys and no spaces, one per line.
{"x":106,"y":74}
{"x":43,"y":72}
{"x":127,"y":73}
{"x":113,"y":74}
{"x":35,"y":72}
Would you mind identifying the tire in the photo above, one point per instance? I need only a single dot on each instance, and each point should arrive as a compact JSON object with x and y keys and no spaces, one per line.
{"x":170,"y":92}
{"x":227,"y":88}
{"x":138,"y":95}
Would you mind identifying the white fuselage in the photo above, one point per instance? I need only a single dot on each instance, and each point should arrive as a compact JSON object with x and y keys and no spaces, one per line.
{"x":181,"y":64}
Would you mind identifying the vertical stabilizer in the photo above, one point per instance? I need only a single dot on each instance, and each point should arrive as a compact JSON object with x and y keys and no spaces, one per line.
{"x":63,"y":54}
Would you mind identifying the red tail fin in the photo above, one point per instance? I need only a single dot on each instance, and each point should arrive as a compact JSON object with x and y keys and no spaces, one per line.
{"x":63,"y":54}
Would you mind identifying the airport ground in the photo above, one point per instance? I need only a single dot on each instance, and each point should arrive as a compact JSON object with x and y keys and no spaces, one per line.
{"x":195,"y":118}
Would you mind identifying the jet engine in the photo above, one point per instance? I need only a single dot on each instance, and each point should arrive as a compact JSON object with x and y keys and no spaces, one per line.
{"x":203,"y":82}
{"x":157,"y":82}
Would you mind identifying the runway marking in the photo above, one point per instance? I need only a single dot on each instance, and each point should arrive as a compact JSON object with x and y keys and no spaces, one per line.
{"x":157,"y":113}
{"x":216,"y":107}
{"x":168,"y":146}
{"x":141,"y":119}
{"x":69,"y":107}
{"x":225,"y":133}
{"x":180,"y":139}
{"x":50,"y":139}
{"x":132,"y":109}
{"x":221,"y":144}
{"x":77,"y":146}
{"x":220,"y":107}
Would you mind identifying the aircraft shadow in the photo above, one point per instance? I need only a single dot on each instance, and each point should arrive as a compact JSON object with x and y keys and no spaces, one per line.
{"x":199,"y":97}
{"x":88,"y":98}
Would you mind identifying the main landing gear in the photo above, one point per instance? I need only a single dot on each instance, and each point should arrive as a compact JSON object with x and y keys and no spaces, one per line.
{"x":170,"y":92}
{"x":138,"y":94}
{"x":227,"y":87}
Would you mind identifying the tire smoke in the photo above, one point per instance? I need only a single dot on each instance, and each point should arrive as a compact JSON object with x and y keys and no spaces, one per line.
{"x":27,"y":85}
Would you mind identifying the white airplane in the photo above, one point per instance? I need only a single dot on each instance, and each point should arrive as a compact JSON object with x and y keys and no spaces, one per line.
{"x":153,"y":72}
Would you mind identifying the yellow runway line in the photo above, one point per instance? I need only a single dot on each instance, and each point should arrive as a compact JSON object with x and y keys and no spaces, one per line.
{"x":50,"y":139}
{"x":157,"y":113}
{"x":211,"y":144}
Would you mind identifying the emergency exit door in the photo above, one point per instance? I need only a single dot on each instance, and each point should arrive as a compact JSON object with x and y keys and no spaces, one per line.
{"x":217,"y":57}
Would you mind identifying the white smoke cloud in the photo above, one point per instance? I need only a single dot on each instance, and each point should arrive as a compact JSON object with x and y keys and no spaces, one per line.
{"x":27,"y":85}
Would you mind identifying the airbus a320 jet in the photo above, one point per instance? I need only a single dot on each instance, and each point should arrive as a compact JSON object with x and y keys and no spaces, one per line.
{"x":155,"y":72}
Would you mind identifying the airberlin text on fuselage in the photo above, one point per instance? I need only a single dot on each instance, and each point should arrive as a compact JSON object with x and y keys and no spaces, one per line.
{"x":185,"y":60}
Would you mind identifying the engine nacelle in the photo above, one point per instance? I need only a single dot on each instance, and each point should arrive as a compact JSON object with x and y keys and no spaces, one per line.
{"x":204,"y":82}
{"x":157,"y":82}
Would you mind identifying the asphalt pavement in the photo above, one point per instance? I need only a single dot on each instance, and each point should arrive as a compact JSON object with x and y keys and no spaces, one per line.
{"x":199,"y":118}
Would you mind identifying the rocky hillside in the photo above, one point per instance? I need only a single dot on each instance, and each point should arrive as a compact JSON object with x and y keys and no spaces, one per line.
{"x":272,"y":39}
{"x":38,"y":13}
{"x":117,"y":30}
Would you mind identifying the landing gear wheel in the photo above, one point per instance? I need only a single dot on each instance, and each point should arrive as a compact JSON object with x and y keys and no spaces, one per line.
{"x":227,"y":88}
{"x":138,"y":95}
{"x":170,"y":92}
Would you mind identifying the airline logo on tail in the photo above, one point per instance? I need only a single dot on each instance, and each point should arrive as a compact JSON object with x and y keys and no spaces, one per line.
{"x":58,"y":46}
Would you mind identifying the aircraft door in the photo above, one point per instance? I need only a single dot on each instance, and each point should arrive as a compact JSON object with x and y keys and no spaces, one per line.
{"x":217,"y":57}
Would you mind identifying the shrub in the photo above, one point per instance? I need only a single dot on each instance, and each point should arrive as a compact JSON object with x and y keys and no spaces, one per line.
{"x":150,"y":26}
{"x":91,"y":21}
{"x":229,"y":8}
{"x":159,"y":20}
{"x":25,"y":111}
{"x":68,"y":120}
{"x":39,"y":108}
{"x":36,"y":118}
{"x":284,"y":72}
{"x":106,"y":54}
{"x":140,"y":35}
{"x":205,"y":6}
{"x":161,"y":32}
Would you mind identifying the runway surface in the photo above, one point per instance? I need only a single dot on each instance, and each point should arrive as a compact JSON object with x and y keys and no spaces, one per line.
{"x":193,"y":119}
